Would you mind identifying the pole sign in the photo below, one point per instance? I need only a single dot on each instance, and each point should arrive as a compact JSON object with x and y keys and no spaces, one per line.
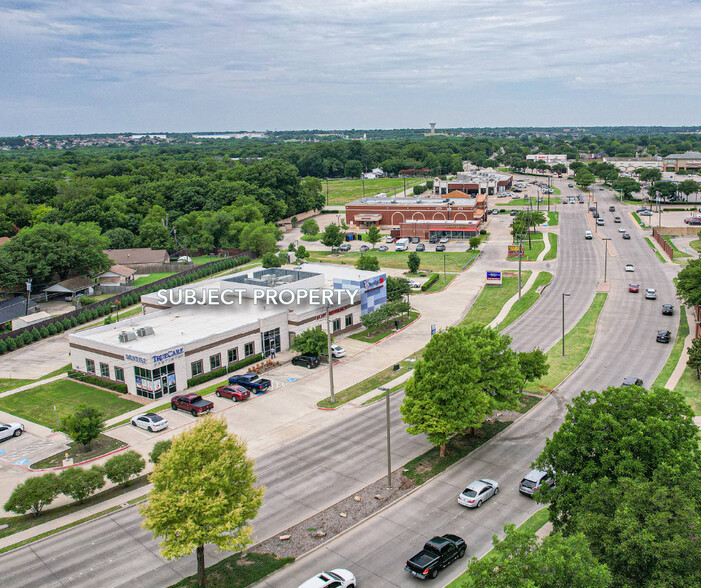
{"x":433,"y":330}
{"x":494,"y":278}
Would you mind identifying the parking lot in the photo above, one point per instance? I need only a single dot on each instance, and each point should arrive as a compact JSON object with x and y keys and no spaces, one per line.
{"x":25,"y":450}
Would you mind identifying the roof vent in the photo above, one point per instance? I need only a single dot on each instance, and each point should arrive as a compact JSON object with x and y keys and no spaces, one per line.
{"x":125,"y":337}
{"x":144,"y":331}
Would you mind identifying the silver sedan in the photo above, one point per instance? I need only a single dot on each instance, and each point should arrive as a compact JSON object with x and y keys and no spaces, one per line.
{"x":478,"y":492}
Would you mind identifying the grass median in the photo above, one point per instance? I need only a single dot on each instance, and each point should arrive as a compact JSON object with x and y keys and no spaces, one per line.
{"x":492,"y":299}
{"x":677,"y":350}
{"x":378,"y":335}
{"x":439,"y":284}
{"x":553,"y":218}
{"x":239,"y":570}
{"x":659,"y":255}
{"x":527,"y":300}
{"x":675,"y":249}
{"x":531,"y":250}
{"x":577,"y":343}
{"x":552,"y":252}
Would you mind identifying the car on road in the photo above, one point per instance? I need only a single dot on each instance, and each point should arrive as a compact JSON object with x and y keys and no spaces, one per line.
{"x":663,"y":336}
{"x":233,"y":392}
{"x":478,"y":492}
{"x":192,"y":403}
{"x":646,"y":212}
{"x":364,"y":248}
{"x":630,"y":267}
{"x":440,"y":247}
{"x":600,"y":222}
{"x":635,"y":288}
{"x":383,"y":248}
{"x":632,"y":382}
{"x":438,"y":553}
{"x":626,"y":236}
{"x":344,"y":247}
{"x":307,"y":361}
{"x":650,"y":293}
{"x":595,"y":214}
{"x":444,"y":239}
{"x":415,"y":240}
{"x":601,"y":189}
{"x":612,"y":208}
{"x":421,"y":247}
{"x":533,"y":482}
{"x":8,"y":430}
{"x":588,"y":235}
{"x":338,"y":578}
{"x":621,"y":230}
{"x":570,"y":185}
{"x":667,"y":309}
{"x":693,"y":220}
{"x":252,"y":382}
{"x":337,"y":351}
{"x":150,"y":421}
{"x":592,"y":209}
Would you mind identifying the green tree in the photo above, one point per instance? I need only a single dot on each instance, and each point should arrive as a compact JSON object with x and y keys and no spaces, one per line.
{"x":121,"y":468}
{"x":311,"y":342}
{"x":413,"y":262}
{"x":627,"y":186}
{"x":332,"y":236}
{"x":203,"y":492}
{"x":260,"y":238}
{"x":663,"y":190}
{"x":80,"y":484}
{"x":373,"y":235}
{"x":309,"y":227}
{"x":621,"y":432}
{"x":368,"y":263}
{"x":533,"y":365}
{"x":694,"y":361}
{"x":584,"y":178}
{"x":302,"y":252}
{"x":649,"y":174}
{"x":353,"y":169}
{"x":120,"y":238}
{"x":33,"y":494}
{"x":688,"y":187}
{"x":271,"y":260}
{"x":397,"y":288}
{"x":475,"y":242}
{"x":159,"y":449}
{"x":522,"y":561}
{"x":689,"y":283}
{"x":465,"y":373}
{"x":84,"y":425}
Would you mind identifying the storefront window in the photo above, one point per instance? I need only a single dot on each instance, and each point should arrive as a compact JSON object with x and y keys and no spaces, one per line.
{"x":233,"y":355}
{"x":336,"y":324}
{"x":119,"y":374}
{"x":90,"y":366}
{"x":248,"y":349}
{"x":104,"y":370}
{"x":196,"y":368}
{"x":214,"y":361}
{"x":155,"y":383}
{"x":349,"y":320}
{"x":270,"y":340}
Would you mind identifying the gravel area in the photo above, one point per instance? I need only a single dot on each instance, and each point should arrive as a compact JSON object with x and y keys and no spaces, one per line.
{"x":328,"y":523}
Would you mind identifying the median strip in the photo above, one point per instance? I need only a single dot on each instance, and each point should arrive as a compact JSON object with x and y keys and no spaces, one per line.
{"x":527,"y":300}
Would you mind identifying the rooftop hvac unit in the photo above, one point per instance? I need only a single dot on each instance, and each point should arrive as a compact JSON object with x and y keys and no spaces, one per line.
{"x":144,"y":331}
{"x":125,"y":337}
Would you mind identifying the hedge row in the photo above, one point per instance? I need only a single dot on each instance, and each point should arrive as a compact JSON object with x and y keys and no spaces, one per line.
{"x":428,"y":283}
{"x":92,"y":312}
{"x":88,"y":379}
{"x":219,"y":372}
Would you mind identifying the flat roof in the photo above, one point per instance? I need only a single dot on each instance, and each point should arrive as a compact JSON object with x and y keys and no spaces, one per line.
{"x":388,"y":201}
{"x":342,"y":272}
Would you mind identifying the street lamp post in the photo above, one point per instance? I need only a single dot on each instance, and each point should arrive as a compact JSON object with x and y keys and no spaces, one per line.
{"x":606,"y":253}
{"x":328,"y":351}
{"x":389,"y":454}
{"x":596,"y":225}
{"x":520,"y":257}
{"x":659,"y":212}
{"x":563,"y":323}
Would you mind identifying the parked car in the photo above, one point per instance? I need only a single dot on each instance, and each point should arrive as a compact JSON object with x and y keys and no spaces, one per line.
{"x":663,"y":336}
{"x":570,"y":185}
{"x":192,"y":403}
{"x":415,"y":240}
{"x":337,"y":351}
{"x":517,"y":190}
{"x":433,"y":239}
{"x":478,"y":492}
{"x":364,"y":248}
{"x":630,"y":267}
{"x":635,"y":288}
{"x":444,"y":239}
{"x":251,"y":382}
{"x":650,"y":294}
{"x":413,"y":284}
{"x":150,"y":421}
{"x":646,"y":212}
{"x":421,"y":247}
{"x":533,"y":481}
{"x":389,"y":239}
{"x":338,"y":578}
{"x":440,"y":247}
{"x":600,"y":222}
{"x":625,"y":236}
{"x":438,"y":553}
{"x":307,"y":361}
{"x":632,"y":382}
{"x":234,"y":392}
{"x":693,"y":221}
{"x":8,"y":430}
{"x":667,"y":309}
{"x":495,"y":211}
{"x":513,"y":213}
{"x":344,"y":247}
{"x":383,"y":248}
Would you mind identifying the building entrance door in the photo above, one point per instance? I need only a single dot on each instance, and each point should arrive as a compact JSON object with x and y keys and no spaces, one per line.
{"x":270,"y":340}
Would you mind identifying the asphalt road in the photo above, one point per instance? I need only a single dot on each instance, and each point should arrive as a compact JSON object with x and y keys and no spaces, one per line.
{"x":319,"y":470}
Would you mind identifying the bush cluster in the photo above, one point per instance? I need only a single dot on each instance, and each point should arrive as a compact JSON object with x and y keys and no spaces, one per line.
{"x":219,"y":372}
{"x":433,"y":278}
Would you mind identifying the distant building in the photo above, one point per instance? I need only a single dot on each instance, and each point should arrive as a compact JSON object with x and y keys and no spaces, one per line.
{"x":72,"y":287}
{"x":473,"y":183}
{"x":29,"y":319}
{"x":630,"y":164}
{"x":137,"y":257}
{"x":374,"y":174}
{"x":13,"y":308}
{"x":547,"y":158}
{"x":148,"y":136}
{"x":688,"y":160}
{"x":117,"y":275}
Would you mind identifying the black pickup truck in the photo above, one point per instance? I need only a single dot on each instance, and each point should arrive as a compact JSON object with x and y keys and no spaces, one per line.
{"x":437,"y":554}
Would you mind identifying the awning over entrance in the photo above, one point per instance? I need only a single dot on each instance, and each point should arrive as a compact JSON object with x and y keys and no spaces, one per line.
{"x":368,"y":218}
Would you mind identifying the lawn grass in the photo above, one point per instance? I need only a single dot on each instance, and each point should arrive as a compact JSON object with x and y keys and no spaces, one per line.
{"x":577,"y":344}
{"x":78,"y":453}
{"x":696,"y":244}
{"x":379,"y":335}
{"x":144,"y":280}
{"x":229,"y":573}
{"x":492,"y":299}
{"x":638,"y":219}
{"x":430,"y":260}
{"x":659,"y":255}
{"x":380,"y":396}
{"x":677,"y":349}
{"x":531,"y":253}
{"x":675,"y":250}
{"x":553,"y":219}
{"x":552,"y":252}
{"x":527,"y":299}
{"x":544,"y":202}
{"x":37,"y":404}
{"x":368,"y":384}
{"x":439,"y":284}
{"x":689,"y":387}
{"x":557,"y":191}
{"x":11,"y":383}
{"x":344,"y":191}
{"x":314,"y":237}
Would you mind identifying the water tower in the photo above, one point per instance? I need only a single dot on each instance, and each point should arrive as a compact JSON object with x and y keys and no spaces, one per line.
{"x":433,"y":128}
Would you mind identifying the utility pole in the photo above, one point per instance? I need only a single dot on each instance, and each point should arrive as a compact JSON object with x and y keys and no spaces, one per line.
{"x":328,"y":351}
{"x":389,"y":454}
{"x":29,"y":292}
{"x":606,"y":253}
{"x":520,"y":257}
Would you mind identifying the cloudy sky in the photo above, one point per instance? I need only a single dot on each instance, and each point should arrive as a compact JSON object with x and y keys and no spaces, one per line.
{"x":212,"y":65}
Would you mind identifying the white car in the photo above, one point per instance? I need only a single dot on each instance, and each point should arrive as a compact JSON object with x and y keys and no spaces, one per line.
{"x":413,"y":284}
{"x":150,"y":421}
{"x":338,"y":578}
{"x":389,"y":239}
{"x":621,"y":230}
{"x":629,"y":267}
{"x":478,"y":492}
{"x":337,"y":351}
{"x":650,"y":293}
{"x":8,"y":430}
{"x":444,"y":239}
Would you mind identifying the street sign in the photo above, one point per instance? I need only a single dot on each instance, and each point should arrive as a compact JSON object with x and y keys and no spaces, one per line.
{"x":494,"y":278}
{"x":433,"y":330}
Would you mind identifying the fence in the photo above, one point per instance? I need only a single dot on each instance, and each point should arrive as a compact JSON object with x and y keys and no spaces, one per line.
{"x":666,"y":247}
{"x":204,"y":270}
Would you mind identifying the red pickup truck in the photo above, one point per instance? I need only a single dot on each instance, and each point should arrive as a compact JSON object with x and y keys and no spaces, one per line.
{"x":192,"y":403}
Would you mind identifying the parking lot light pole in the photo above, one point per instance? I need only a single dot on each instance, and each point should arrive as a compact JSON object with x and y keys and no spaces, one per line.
{"x":328,"y":351}
{"x":606,"y":253}
{"x":563,"y":323}
{"x":389,"y":454}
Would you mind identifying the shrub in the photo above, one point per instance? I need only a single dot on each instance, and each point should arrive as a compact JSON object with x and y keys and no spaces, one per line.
{"x":26,"y":337}
{"x":3,"y":346}
{"x":428,"y":283}
{"x":218,"y":373}
{"x":44,"y":332}
{"x":52,"y":329}
{"x":11,"y":345}
{"x":94,"y":380}
{"x":36,"y":335}
{"x":33,"y":494}
{"x":121,"y":468}
{"x":159,"y":449}
{"x":483,"y":231}
{"x":58,"y":325}
{"x":87,"y":300}
{"x":80,"y":484}
{"x":84,"y":425}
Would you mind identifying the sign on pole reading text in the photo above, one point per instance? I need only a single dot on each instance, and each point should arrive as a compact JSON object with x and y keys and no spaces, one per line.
{"x":494,"y":278}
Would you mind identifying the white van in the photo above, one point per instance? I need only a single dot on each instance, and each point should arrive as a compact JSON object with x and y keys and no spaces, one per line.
{"x":588,"y":235}
{"x":401,"y":244}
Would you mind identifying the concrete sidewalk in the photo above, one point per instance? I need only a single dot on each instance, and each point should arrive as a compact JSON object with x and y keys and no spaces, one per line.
{"x":33,"y":385}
